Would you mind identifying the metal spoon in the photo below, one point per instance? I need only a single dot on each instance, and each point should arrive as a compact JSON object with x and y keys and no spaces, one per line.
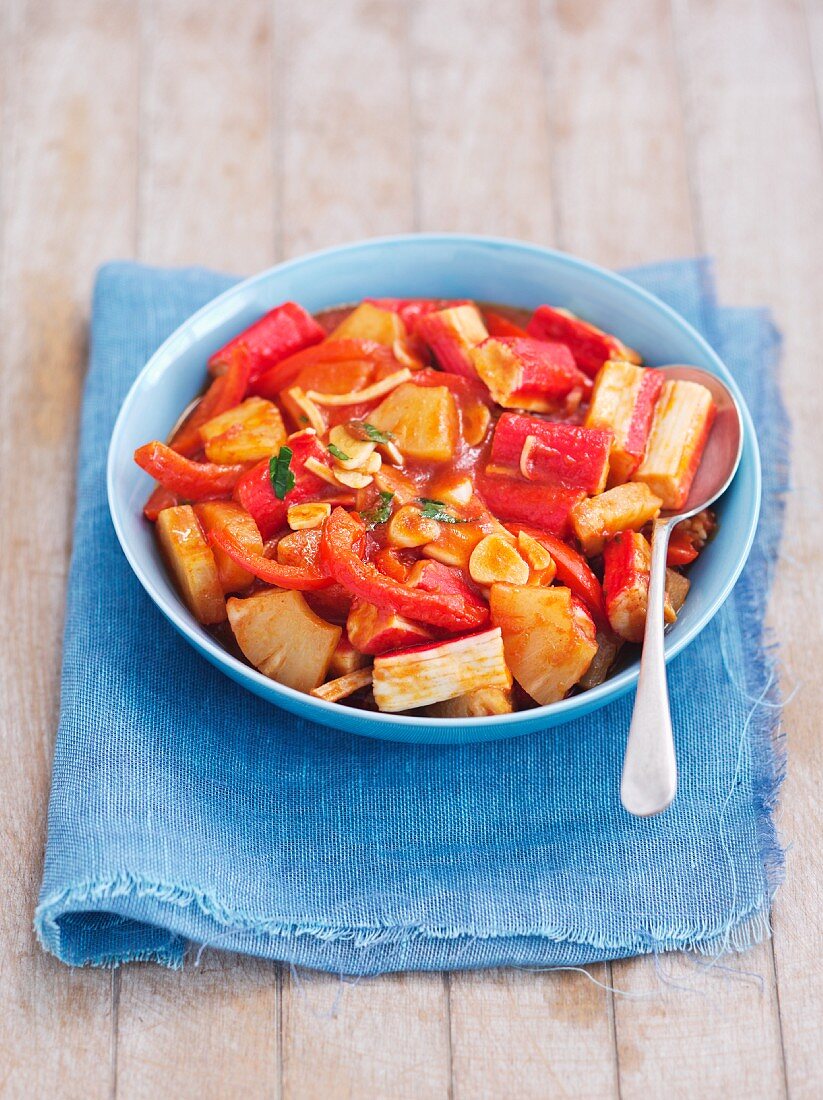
{"x":649,"y":781}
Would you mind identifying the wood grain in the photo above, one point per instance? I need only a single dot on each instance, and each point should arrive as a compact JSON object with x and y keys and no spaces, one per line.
{"x":207,"y":180}
{"x":619,"y":166}
{"x":64,"y":211}
{"x":750,"y":80}
{"x":208,"y":1031}
{"x":481,"y":135}
{"x":378,"y":1037}
{"x":524,"y":1034}
{"x":343,"y":100}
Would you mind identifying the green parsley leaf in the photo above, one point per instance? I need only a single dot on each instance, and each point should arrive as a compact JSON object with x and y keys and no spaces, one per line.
{"x":363,"y":430}
{"x":341,"y":455}
{"x":382,"y":512}
{"x":436,"y":509}
{"x":282,"y":478}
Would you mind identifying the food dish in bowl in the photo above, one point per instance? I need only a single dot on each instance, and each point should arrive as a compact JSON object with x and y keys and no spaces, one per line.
{"x":391,"y":505}
{"x":435,"y":265}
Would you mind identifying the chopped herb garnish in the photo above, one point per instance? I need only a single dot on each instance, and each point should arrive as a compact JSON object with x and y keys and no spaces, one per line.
{"x":338,"y":454}
{"x":436,"y":509}
{"x":361,"y":429}
{"x":380,"y":513}
{"x":282,"y":478}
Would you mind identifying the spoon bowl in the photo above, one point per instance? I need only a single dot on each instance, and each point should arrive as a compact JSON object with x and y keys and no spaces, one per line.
{"x":649,"y":781}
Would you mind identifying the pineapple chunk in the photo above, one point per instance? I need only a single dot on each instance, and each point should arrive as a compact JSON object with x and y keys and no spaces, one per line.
{"x":623,"y":400}
{"x":225,"y":515}
{"x":281,"y":636}
{"x":369,"y":322}
{"x":479,"y":703}
{"x":191,"y":562}
{"x":625,"y":508}
{"x":347,"y":659}
{"x":453,"y":488}
{"x":423,"y":421}
{"x":549,"y":638}
{"x":335,"y":690}
{"x":248,"y":433}
{"x":429,"y":674}
{"x":682,"y":421}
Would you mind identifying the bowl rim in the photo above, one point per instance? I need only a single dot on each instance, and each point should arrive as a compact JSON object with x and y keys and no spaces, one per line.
{"x":332,"y":713}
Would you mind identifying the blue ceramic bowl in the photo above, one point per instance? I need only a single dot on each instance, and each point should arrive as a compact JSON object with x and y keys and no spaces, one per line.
{"x":438,"y":266}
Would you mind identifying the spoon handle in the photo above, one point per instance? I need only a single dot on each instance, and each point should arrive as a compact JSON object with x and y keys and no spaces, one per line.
{"x":649,"y":778}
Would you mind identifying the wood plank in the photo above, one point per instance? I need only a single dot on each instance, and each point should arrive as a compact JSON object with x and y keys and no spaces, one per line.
{"x":207,"y":183}
{"x":482,"y":156}
{"x":381,"y":1037}
{"x":207,"y":187}
{"x":70,"y":76}
{"x":208,"y":1031}
{"x":531,"y":1034}
{"x":685,"y":1029}
{"x":620,"y":178}
{"x":343,"y":98}
{"x":623,"y":197}
{"x":346,"y":172}
{"x":484,"y":164}
{"x":755,"y":129}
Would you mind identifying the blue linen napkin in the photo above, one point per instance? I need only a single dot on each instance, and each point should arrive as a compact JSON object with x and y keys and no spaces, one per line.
{"x":185,"y":810}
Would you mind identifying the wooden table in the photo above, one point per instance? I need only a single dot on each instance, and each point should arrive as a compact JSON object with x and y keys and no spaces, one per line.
{"x":233,"y":135}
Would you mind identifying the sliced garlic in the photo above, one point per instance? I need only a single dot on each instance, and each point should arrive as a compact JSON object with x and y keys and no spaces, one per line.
{"x":321,"y":470}
{"x":378,"y":389}
{"x":353,"y":479}
{"x":308,"y":407}
{"x":534,"y":552}
{"x":409,"y":527}
{"x":357,"y":451}
{"x":496,"y":559}
{"x":301,"y":517}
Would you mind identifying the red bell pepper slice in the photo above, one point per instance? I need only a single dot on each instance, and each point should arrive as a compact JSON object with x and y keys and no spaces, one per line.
{"x":225,"y":392}
{"x":278,"y":334}
{"x":160,"y":499}
{"x":305,"y":578}
{"x":283,"y":374}
{"x":682,"y":550}
{"x":189,"y":480}
{"x":498,"y":325}
{"x":572,"y":570}
{"x":341,"y":533}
